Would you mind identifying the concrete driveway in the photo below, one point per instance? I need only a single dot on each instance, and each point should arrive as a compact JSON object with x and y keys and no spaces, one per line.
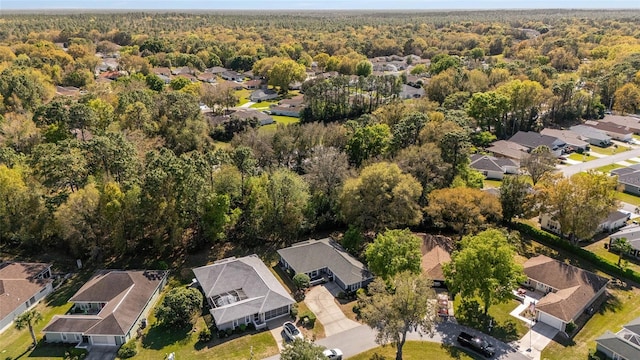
{"x":277,"y":331}
{"x":320,"y":300}
{"x":102,"y":353}
{"x":533,"y":342}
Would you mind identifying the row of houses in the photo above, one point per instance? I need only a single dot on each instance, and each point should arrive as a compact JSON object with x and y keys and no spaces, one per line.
{"x":507,"y":154}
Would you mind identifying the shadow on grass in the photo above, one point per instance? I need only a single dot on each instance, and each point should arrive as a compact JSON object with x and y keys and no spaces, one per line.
{"x":470,"y":314}
{"x":46,"y":350}
{"x":159,"y":337}
{"x":456,"y":352}
{"x":611,"y":304}
{"x":70,"y":286}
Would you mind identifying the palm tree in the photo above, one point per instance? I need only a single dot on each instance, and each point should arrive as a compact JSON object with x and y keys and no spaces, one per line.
{"x":621,"y":246}
{"x":28,"y":319}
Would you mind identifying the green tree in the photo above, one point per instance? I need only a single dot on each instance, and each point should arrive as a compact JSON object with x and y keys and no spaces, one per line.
{"x":539,"y":162}
{"x":285,"y":72}
{"x":301,"y":282}
{"x":279,"y":202}
{"x":367,"y":142}
{"x":178,"y":83}
{"x":394,"y":251}
{"x":381,"y":197}
{"x":364,"y":68}
{"x":627,"y":99}
{"x":179,"y":307}
{"x":578,"y":203}
{"x":406,"y":305}
{"x":484,"y":268}
{"x":27,"y":320}
{"x":513,"y":195}
{"x":622,"y":247}
{"x":301,"y":350}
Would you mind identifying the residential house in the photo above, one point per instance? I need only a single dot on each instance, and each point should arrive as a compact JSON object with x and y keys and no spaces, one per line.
{"x":67,"y":91}
{"x":108,"y":309}
{"x":216,"y":70}
{"x":410,"y":92}
{"x":629,"y":178}
{"x":592,"y":136}
{"x":325,"y":258}
{"x":492,"y":167}
{"x":244,"y":114}
{"x":569,"y":290}
{"x":289,"y":107}
{"x":623,"y":345}
{"x":182,"y":70}
{"x":207,"y":77}
{"x":614,"y":221}
{"x":263,"y":95}
{"x":164,"y":71}
{"x":230,"y":75}
{"x":508,"y":149}
{"x":532,"y":140}
{"x":22,"y":286}
{"x":188,"y":76}
{"x":436,"y":251}
{"x":632,"y":234}
{"x":242,"y":291}
{"x":615,"y":131}
{"x":630,"y":122}
{"x":252,"y":84}
{"x":573,"y":140}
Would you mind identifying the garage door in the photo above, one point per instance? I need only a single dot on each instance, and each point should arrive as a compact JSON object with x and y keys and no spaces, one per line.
{"x":550,"y":320}
{"x":103,"y":340}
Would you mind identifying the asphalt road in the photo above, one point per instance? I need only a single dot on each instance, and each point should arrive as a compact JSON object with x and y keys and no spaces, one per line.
{"x":594,"y":164}
{"x":362,"y":338}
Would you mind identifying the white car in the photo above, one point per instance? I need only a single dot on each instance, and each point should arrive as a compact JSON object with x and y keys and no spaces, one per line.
{"x":333,"y":354}
{"x":292,"y":331}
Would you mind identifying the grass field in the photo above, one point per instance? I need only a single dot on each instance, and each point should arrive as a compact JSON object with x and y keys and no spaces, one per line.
{"x":628,"y":198}
{"x":159,"y":341}
{"x":263,"y":105}
{"x":279,"y":120}
{"x":419,"y":350}
{"x":491,"y":183}
{"x":580,"y":157}
{"x":243,"y":96}
{"x":607,"y":168}
{"x":610,"y":150}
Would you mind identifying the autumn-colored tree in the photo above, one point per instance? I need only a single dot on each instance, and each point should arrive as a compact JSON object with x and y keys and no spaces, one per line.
{"x":285,"y":72}
{"x":578,"y":203}
{"x":627,"y":99}
{"x":464,"y":210}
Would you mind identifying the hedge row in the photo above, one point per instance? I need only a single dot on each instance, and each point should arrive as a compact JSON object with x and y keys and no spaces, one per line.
{"x":559,"y":243}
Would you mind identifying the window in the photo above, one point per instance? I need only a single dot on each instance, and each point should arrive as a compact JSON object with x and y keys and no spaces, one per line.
{"x":64,"y":337}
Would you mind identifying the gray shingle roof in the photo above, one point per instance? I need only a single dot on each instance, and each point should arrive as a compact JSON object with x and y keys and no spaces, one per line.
{"x":590,"y":132}
{"x":126,"y":293}
{"x":248,"y":274}
{"x":532,"y":140}
{"x":311,"y":255}
{"x":576,"y":287}
{"x":629,"y":175}
{"x":490,"y":163}
{"x":618,"y":345}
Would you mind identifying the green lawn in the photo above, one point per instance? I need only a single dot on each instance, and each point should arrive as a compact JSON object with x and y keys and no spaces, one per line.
{"x":628,"y":198}
{"x":159,"y":341}
{"x":279,"y":120}
{"x":491,"y":183}
{"x":505,"y":327}
{"x":14,"y":343}
{"x":598,"y":249}
{"x":607,"y":168}
{"x":581,"y":157}
{"x":263,"y":105}
{"x":419,"y":350}
{"x":610,"y":150}
{"x":243,"y":96}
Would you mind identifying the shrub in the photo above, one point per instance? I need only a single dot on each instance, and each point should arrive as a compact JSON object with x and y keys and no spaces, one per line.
{"x":222,"y":334}
{"x":570,"y":328}
{"x":251,"y":327}
{"x":243,"y":327}
{"x":128,"y":350}
{"x":311,"y":318}
{"x":294,"y":311}
{"x":204,"y":335}
{"x":162,"y":265}
{"x":377,"y":356}
{"x":229,"y":332}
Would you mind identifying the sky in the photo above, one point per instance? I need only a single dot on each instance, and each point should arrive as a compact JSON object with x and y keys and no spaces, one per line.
{"x":314,"y":4}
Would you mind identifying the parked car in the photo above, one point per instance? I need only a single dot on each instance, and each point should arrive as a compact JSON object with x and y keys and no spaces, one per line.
{"x":292,"y":331}
{"x":476,"y":344}
{"x":333,"y":354}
